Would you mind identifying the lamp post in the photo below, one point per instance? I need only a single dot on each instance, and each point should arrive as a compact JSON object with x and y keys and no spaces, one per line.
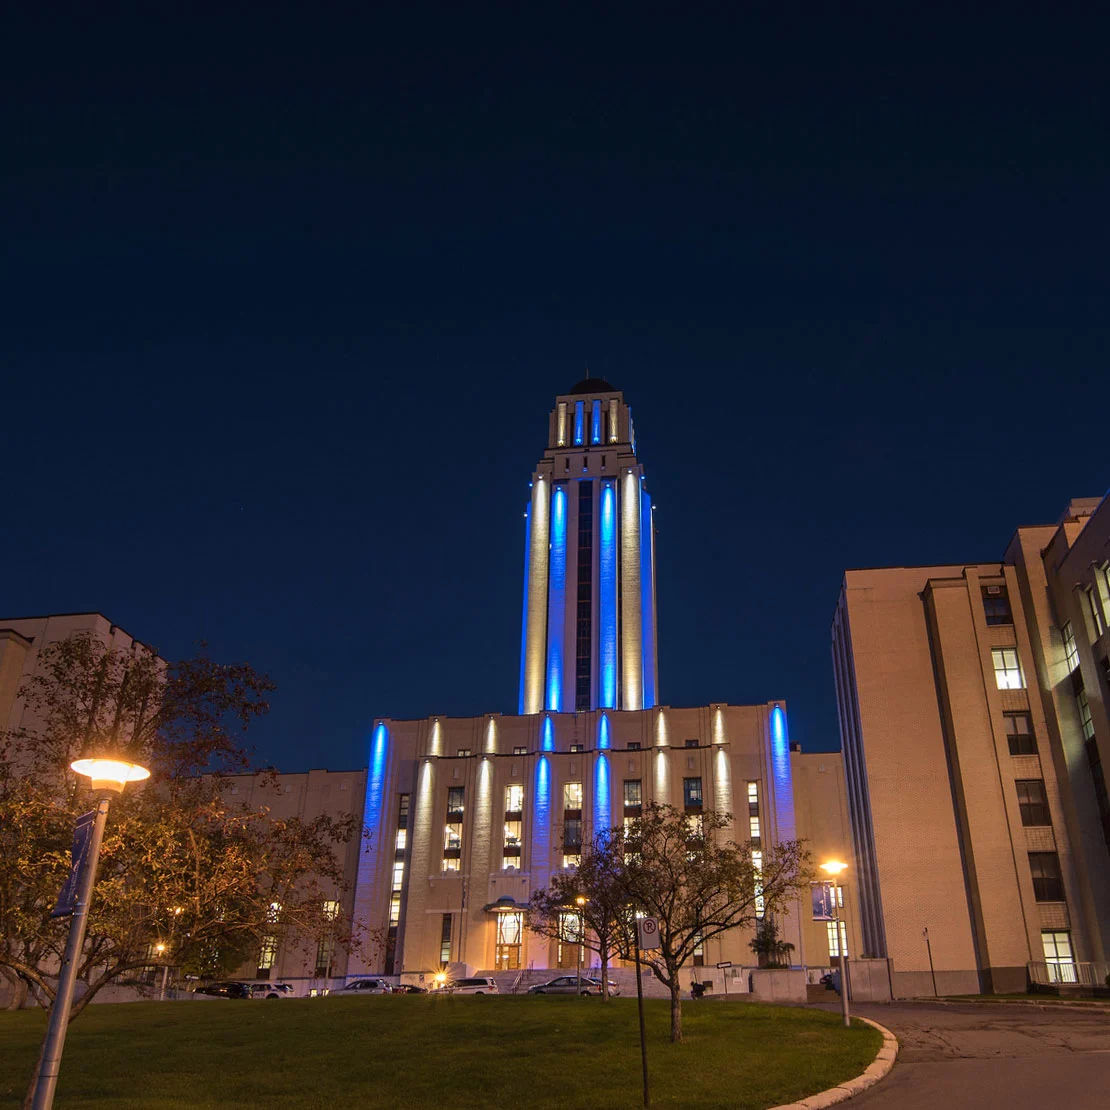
{"x":835,"y":868}
{"x":109,"y":776}
{"x":580,"y":901}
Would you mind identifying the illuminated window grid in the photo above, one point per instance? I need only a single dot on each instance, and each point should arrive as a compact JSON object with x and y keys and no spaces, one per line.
{"x":1007,"y":669}
{"x":1071,"y":652}
{"x":834,"y":944}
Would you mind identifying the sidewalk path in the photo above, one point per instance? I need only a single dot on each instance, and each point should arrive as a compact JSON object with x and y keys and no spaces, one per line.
{"x":987,"y":1056}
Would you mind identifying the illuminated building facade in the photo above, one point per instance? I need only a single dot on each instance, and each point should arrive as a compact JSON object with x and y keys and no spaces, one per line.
{"x":973,"y":715}
{"x":588,"y":629}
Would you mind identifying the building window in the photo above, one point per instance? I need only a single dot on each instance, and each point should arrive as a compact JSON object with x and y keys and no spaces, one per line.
{"x":753,"y":830}
{"x":633,"y":796}
{"x":400,"y":841}
{"x":1102,"y":581}
{"x":692,"y":743}
{"x":453,"y":830}
{"x":757,"y":867}
{"x":1096,"y":613}
{"x":445,"y":939}
{"x":267,"y":955}
{"x":836,"y":946}
{"x":753,"y":799}
{"x":1007,"y":669}
{"x":572,"y":834}
{"x":1019,"y":733}
{"x":1058,"y":956}
{"x":520,"y":749}
{"x":571,"y":860}
{"x":455,"y":802}
{"x":394,"y":909}
{"x":1085,"y":722}
{"x":691,"y":793}
{"x":996,"y":605}
{"x":572,"y":795}
{"x":633,"y":745}
{"x":510,"y":927}
{"x":510,"y":855}
{"x":1071,"y":652}
{"x":452,"y":835}
{"x":576,"y":747}
{"x":325,"y":948}
{"x":699,"y":951}
{"x":1032,"y":802}
{"x":463,"y":752}
{"x":569,"y":940}
{"x":1048,"y":885}
{"x":514,"y":798}
{"x":452,"y":863}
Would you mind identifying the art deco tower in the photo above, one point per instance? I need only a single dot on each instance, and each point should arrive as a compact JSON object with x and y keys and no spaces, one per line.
{"x":588,"y":635}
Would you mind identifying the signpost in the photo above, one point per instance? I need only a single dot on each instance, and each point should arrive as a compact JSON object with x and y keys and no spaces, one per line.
{"x":647,"y":936}
{"x":724,"y":965}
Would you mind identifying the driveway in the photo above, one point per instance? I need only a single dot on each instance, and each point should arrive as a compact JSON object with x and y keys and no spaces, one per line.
{"x":984,"y":1056}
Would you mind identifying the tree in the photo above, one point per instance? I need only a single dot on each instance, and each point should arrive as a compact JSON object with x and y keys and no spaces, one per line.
{"x":680,"y":869}
{"x":598,"y":879}
{"x":770,"y":949}
{"x":182,"y":865}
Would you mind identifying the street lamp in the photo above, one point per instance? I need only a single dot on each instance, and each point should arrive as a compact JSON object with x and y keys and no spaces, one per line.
{"x":835,"y":868}
{"x":580,"y":901}
{"x":109,"y":776}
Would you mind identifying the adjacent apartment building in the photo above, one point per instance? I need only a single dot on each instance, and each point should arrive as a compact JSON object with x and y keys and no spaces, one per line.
{"x":973,"y":716}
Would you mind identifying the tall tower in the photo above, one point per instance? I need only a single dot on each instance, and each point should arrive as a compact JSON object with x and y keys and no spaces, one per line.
{"x":588,"y":630}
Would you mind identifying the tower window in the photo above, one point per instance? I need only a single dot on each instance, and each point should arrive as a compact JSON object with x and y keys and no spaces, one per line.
{"x":996,"y":605}
{"x":691,"y":793}
{"x":1019,"y":733}
{"x":1071,"y":652}
{"x":1032,"y":802}
{"x":1007,"y":669}
{"x":1048,"y":884}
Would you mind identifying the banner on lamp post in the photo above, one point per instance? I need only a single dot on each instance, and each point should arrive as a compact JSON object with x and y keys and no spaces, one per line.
{"x":82,"y":835}
{"x":824,"y":901}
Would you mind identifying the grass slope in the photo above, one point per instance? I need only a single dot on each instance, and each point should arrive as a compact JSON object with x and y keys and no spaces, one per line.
{"x":428,"y":1051}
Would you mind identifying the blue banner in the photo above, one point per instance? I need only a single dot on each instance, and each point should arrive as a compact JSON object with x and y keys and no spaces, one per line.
{"x":824,"y":901}
{"x":82,"y":834}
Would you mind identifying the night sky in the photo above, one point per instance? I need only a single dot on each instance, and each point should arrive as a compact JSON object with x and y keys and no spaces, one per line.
{"x":288,"y":293}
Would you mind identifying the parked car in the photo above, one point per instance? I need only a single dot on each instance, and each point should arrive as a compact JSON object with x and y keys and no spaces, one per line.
{"x":365,"y":986}
{"x":569,"y":984}
{"x":272,"y":990}
{"x":225,"y":990}
{"x":410,"y":988}
{"x":473,"y":986}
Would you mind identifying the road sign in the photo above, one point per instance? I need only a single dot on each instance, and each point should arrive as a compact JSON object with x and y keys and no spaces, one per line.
{"x":724,"y":964}
{"x":649,"y":932}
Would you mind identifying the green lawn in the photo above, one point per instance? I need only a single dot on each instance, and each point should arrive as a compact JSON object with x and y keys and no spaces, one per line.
{"x":429,"y":1051}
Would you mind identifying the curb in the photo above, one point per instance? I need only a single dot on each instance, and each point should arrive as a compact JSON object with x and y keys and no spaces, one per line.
{"x":876,"y":1070}
{"x":1093,"y":1007}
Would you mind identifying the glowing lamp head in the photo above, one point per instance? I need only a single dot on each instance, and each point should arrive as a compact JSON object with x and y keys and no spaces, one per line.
{"x":440,"y":978}
{"x":159,"y":948}
{"x":834,"y":867}
{"x":580,"y":901}
{"x":110,"y":774}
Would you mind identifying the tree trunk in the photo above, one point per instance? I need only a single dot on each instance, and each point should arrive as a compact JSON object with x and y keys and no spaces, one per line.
{"x":676,"y":1011}
{"x":604,"y":973}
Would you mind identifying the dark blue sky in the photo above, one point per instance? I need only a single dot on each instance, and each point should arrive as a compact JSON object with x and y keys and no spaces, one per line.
{"x":287,"y":295}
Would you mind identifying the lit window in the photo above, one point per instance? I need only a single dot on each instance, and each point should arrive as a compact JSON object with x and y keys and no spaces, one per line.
{"x":1007,"y":669}
{"x":1032,"y":802}
{"x":996,"y":605}
{"x":633,"y":794}
{"x":455,"y":800}
{"x":757,"y":865}
{"x":1102,"y":581}
{"x":514,"y":798}
{"x":753,"y":827}
{"x":451,"y":863}
{"x":464,"y":751}
{"x":1058,"y":956}
{"x":695,"y":825}
{"x":512,"y":834}
{"x":571,"y":859}
{"x":691,"y":792}
{"x":402,"y":840}
{"x":1085,"y":722}
{"x":445,"y":939}
{"x":1071,"y":652}
{"x":1019,"y":733}
{"x":395,"y":909}
{"x":699,"y":951}
{"x":267,"y":955}
{"x":753,"y":799}
{"x":398,"y":875}
{"x":452,"y":835}
{"x":834,"y":943}
{"x":520,"y":749}
{"x":576,"y":747}
{"x":572,"y":795}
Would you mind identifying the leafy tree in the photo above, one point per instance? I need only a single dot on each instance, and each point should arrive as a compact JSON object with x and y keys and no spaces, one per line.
{"x":680,"y":869}
{"x":181,"y":864}
{"x":769,"y":947}
{"x":599,"y":879}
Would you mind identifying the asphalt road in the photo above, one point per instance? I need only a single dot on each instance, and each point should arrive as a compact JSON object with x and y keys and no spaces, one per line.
{"x":1006,"y":1056}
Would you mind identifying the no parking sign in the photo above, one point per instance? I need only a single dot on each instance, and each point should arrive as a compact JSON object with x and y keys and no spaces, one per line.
{"x":649,"y":932}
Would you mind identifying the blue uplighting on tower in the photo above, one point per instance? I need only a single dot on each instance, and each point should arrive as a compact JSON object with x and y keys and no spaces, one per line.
{"x":603,"y":805}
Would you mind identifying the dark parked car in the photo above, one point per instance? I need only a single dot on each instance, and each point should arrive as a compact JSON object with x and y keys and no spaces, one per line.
{"x":570,"y":984}
{"x":366,"y":986}
{"x":409,"y":988}
{"x":225,"y":990}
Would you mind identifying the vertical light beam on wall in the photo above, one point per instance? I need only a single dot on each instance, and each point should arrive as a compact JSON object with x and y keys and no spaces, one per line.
{"x":647,"y":588}
{"x":661,"y":785}
{"x":780,"y":773}
{"x":541,"y":824}
{"x":722,"y":783}
{"x":595,"y":423}
{"x":539,"y":553}
{"x":547,"y":739}
{"x":603,"y":806}
{"x":375,"y":779}
{"x":632,"y":640}
{"x":579,"y":423}
{"x":607,"y":572}
{"x":524,"y":609}
{"x":556,"y":613}
{"x":483,"y":818}
{"x":603,"y":733}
